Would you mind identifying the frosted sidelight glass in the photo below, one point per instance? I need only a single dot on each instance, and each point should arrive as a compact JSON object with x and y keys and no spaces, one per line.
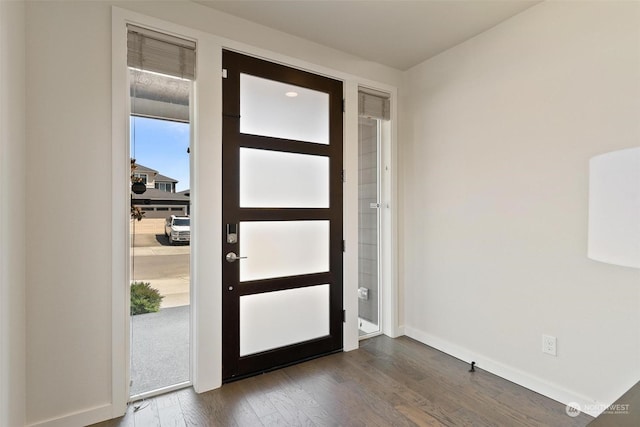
{"x":283,"y":180}
{"x":280,"y":110}
{"x":283,"y":248}
{"x":276,"y":319}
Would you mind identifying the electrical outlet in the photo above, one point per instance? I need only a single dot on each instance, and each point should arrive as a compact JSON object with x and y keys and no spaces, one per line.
{"x":549,"y":345}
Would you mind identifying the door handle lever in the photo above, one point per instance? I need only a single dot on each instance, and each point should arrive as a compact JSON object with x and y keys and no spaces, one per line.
{"x":232,"y":257}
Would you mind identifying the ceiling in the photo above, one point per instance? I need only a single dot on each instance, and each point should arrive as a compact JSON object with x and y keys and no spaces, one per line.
{"x":396,"y":33}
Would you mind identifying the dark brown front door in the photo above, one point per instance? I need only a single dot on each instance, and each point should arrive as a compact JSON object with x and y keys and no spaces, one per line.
{"x":282,"y":215}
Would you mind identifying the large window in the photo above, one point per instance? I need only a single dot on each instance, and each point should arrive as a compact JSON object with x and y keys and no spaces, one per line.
{"x":165,"y":186}
{"x":161,"y":73}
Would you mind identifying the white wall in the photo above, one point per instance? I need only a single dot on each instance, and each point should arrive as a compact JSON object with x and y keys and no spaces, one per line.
{"x":69,"y":137}
{"x":497,"y":134}
{"x":12,"y":222}
{"x":68,"y":208}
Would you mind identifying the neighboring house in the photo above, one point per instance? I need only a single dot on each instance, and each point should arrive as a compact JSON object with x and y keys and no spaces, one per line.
{"x":160,"y":200}
{"x":152,"y":179}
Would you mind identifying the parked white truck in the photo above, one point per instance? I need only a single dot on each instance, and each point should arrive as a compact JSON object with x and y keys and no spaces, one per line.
{"x":178,"y":229}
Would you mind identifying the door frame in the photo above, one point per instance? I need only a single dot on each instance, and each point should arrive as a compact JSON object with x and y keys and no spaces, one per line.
{"x":235,"y":365}
{"x":206,"y":331}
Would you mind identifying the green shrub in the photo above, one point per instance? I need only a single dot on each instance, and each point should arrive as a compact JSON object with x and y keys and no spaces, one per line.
{"x":144,"y":298}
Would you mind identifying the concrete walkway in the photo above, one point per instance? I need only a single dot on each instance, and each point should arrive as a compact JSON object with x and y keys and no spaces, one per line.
{"x":175,"y":290}
{"x":159,"y":349}
{"x":149,"y":241}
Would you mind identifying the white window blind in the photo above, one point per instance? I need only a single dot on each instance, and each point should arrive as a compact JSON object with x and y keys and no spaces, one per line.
{"x":161,"y":53}
{"x":374,"y":106}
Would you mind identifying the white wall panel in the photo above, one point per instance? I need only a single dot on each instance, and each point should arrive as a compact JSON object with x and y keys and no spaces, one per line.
{"x":497,"y":138}
{"x":12,"y":220}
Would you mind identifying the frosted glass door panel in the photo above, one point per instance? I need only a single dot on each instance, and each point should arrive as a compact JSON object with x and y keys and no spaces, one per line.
{"x":283,"y":248}
{"x":275,"y":319}
{"x":276,"y":179}
{"x":280,"y":110}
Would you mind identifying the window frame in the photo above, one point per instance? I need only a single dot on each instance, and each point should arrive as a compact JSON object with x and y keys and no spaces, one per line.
{"x":164,"y":186}
{"x":144,"y":177}
{"x":206,"y":359}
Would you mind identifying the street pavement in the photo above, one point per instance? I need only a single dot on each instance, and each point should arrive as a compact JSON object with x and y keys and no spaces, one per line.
{"x":164,"y":266}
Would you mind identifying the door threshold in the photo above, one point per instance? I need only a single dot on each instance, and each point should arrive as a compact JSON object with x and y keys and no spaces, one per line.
{"x":157,"y":392}
{"x":275,"y":368}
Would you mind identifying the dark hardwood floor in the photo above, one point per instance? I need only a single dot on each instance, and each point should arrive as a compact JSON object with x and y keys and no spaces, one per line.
{"x":624,"y":412}
{"x":387,"y":382}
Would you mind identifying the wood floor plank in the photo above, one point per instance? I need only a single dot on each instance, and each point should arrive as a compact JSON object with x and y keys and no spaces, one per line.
{"x":200,"y":409}
{"x":387,"y":382}
{"x":282,"y":399}
{"x":324,"y":390}
{"x":624,"y":412}
{"x":146,"y":414}
{"x":303,"y":400}
{"x":418,"y":417}
{"x":236,"y":405}
{"x":171,"y":416}
{"x":125,"y":421}
{"x":379,"y":394}
{"x":170,"y":411}
{"x":167,"y":400}
{"x":402,"y":395}
{"x":436,"y":396}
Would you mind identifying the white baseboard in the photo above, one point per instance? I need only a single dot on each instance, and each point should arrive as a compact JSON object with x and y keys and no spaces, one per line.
{"x":79,"y":419}
{"x":395,"y":332}
{"x":524,"y":379}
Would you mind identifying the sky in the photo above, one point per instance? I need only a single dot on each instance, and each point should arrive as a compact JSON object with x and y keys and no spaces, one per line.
{"x":162,"y":145}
